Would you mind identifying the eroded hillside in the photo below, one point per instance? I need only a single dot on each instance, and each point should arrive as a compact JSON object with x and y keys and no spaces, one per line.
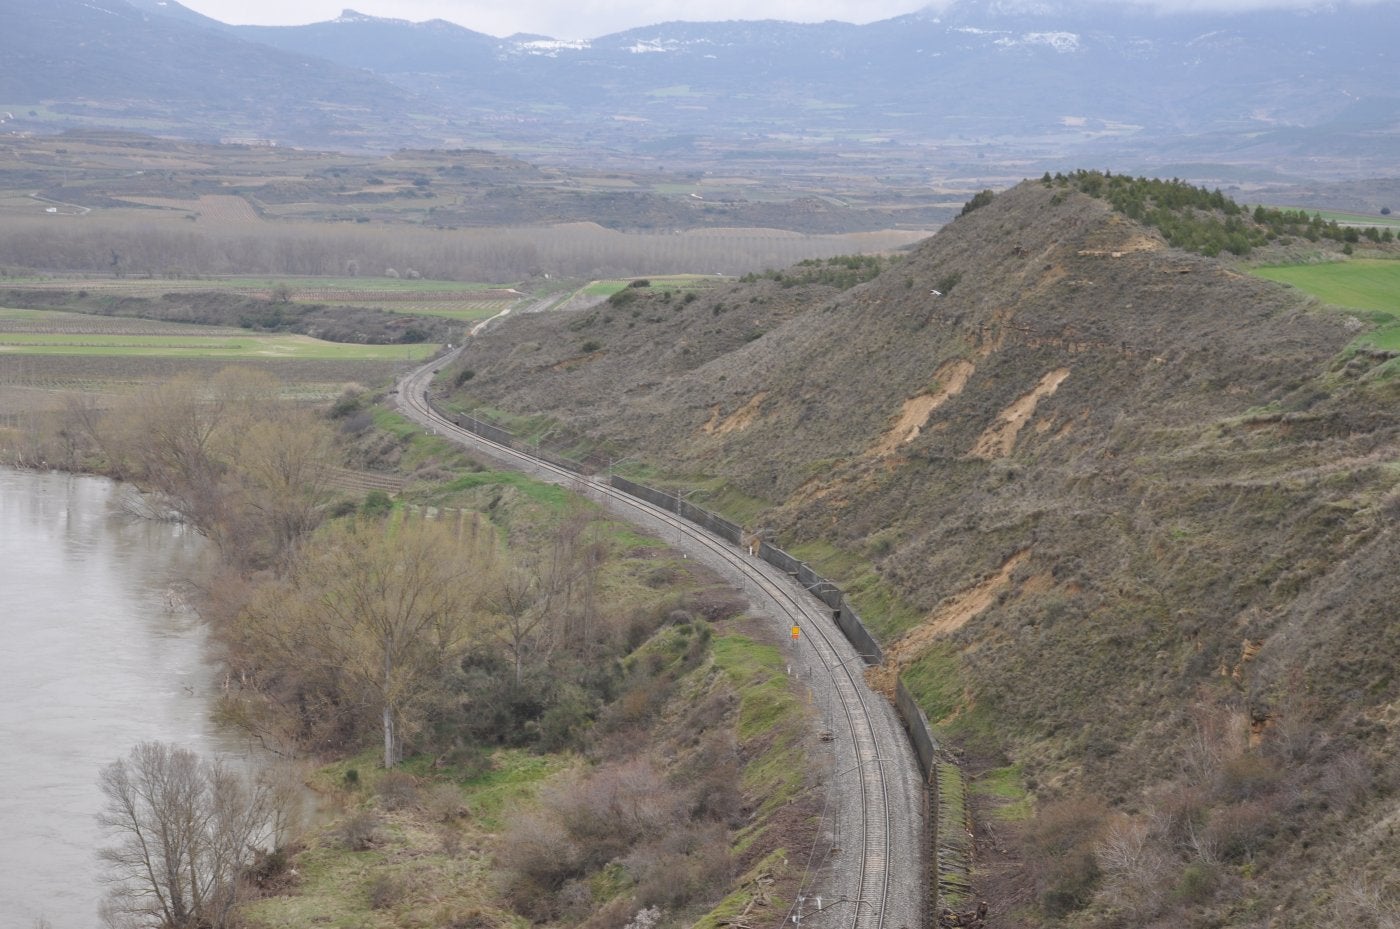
{"x":1123,"y":516}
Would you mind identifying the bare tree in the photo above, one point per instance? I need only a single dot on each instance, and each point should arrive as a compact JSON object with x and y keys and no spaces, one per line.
{"x":1363,"y":901}
{"x":244,"y":467}
{"x":376,"y":614}
{"x":184,"y":830}
{"x":521,"y":610}
{"x":283,"y":469}
{"x":1133,"y":866}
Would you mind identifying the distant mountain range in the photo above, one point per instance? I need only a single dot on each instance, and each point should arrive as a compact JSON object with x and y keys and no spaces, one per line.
{"x":1044,"y":84}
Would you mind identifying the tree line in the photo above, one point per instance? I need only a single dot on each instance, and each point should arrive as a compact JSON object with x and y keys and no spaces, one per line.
{"x":578,"y":250}
{"x":1206,"y":221}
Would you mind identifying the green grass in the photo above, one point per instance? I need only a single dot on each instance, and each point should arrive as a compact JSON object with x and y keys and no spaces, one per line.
{"x":733,"y":504}
{"x":466,"y":311}
{"x":671,"y":282}
{"x":383,"y":284}
{"x":515,"y":775}
{"x":936,"y":681}
{"x":1387,"y":338}
{"x":830,"y":561}
{"x":629,"y":540}
{"x":774,"y":864}
{"x":1352,"y":219}
{"x":1361,"y":283}
{"x":297,"y":347}
{"x":770,"y":714}
{"x":552,"y":496}
{"x":1005,"y":787}
{"x":880,"y":607}
{"x":604,"y":288}
{"x":422,"y":447}
{"x":437,"y":884}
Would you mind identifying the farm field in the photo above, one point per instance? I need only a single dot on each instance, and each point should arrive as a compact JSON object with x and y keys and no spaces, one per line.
{"x":1361,"y":283}
{"x":321,"y":289}
{"x":464,"y":302}
{"x":671,"y":282}
{"x":41,"y":332}
{"x":46,"y":355}
{"x":233,"y":348}
{"x":1352,"y":219}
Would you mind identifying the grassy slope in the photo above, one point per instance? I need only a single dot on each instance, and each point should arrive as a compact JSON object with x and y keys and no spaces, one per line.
{"x":1215,"y":468}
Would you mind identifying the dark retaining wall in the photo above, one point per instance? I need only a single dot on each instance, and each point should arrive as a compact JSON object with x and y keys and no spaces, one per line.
{"x":842,"y":612}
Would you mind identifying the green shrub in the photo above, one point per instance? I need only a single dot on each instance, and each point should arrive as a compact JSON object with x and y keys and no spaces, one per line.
{"x":1197,"y":883}
{"x":977,"y":202}
{"x":623,"y":297}
{"x":377,"y":503}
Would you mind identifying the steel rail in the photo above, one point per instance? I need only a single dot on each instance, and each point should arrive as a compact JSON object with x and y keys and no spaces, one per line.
{"x":871,"y":784}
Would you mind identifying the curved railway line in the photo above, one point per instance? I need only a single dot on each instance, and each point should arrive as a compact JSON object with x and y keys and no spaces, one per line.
{"x":866,"y":871}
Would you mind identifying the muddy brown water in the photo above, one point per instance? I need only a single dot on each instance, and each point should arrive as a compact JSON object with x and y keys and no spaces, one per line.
{"x":98,"y":651}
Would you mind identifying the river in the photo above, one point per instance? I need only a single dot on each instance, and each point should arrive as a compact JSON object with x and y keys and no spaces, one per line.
{"x":99,"y":653}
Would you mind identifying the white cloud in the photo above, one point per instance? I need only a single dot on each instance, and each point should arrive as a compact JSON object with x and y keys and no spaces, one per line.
{"x":559,"y":18}
{"x":588,"y":19}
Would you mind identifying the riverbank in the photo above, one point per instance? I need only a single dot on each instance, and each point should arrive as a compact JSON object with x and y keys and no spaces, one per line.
{"x":102,"y":651}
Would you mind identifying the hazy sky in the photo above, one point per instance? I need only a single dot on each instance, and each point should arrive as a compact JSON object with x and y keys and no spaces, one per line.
{"x":563,"y":19}
{"x":588,"y":19}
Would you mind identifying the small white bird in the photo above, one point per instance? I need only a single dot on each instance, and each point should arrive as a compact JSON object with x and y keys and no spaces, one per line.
{"x":936,"y":293}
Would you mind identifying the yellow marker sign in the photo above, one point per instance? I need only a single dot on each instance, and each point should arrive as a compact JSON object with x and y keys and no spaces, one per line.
{"x":796,"y":633}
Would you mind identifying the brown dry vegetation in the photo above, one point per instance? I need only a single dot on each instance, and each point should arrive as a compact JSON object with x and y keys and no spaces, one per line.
{"x":514,"y":620}
{"x":1212,"y":466}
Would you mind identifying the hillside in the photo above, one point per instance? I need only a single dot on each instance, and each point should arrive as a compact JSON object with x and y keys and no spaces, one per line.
{"x":1092,"y":473}
{"x":69,"y":63}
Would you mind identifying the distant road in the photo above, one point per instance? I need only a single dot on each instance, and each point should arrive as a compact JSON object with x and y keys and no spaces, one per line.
{"x":535,"y":306}
{"x":73,"y":208}
{"x":866,"y":869}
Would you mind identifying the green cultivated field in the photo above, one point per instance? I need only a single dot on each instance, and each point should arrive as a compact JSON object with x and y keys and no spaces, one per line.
{"x":1353,"y":219}
{"x":1368,"y":284}
{"x":295,"y":347}
{"x":1363,"y":284}
{"x":39,"y":332}
{"x":606,"y":288}
{"x":44,"y":351}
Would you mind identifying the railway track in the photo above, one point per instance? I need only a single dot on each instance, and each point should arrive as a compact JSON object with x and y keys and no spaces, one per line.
{"x":866,"y":873}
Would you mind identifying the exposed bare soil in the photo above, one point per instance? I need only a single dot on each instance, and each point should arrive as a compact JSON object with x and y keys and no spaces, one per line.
{"x":914,"y":417}
{"x":1000,"y":437}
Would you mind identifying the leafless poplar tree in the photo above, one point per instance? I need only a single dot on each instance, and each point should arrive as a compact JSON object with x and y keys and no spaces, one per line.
{"x":183,"y":830}
{"x":374,"y":615}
